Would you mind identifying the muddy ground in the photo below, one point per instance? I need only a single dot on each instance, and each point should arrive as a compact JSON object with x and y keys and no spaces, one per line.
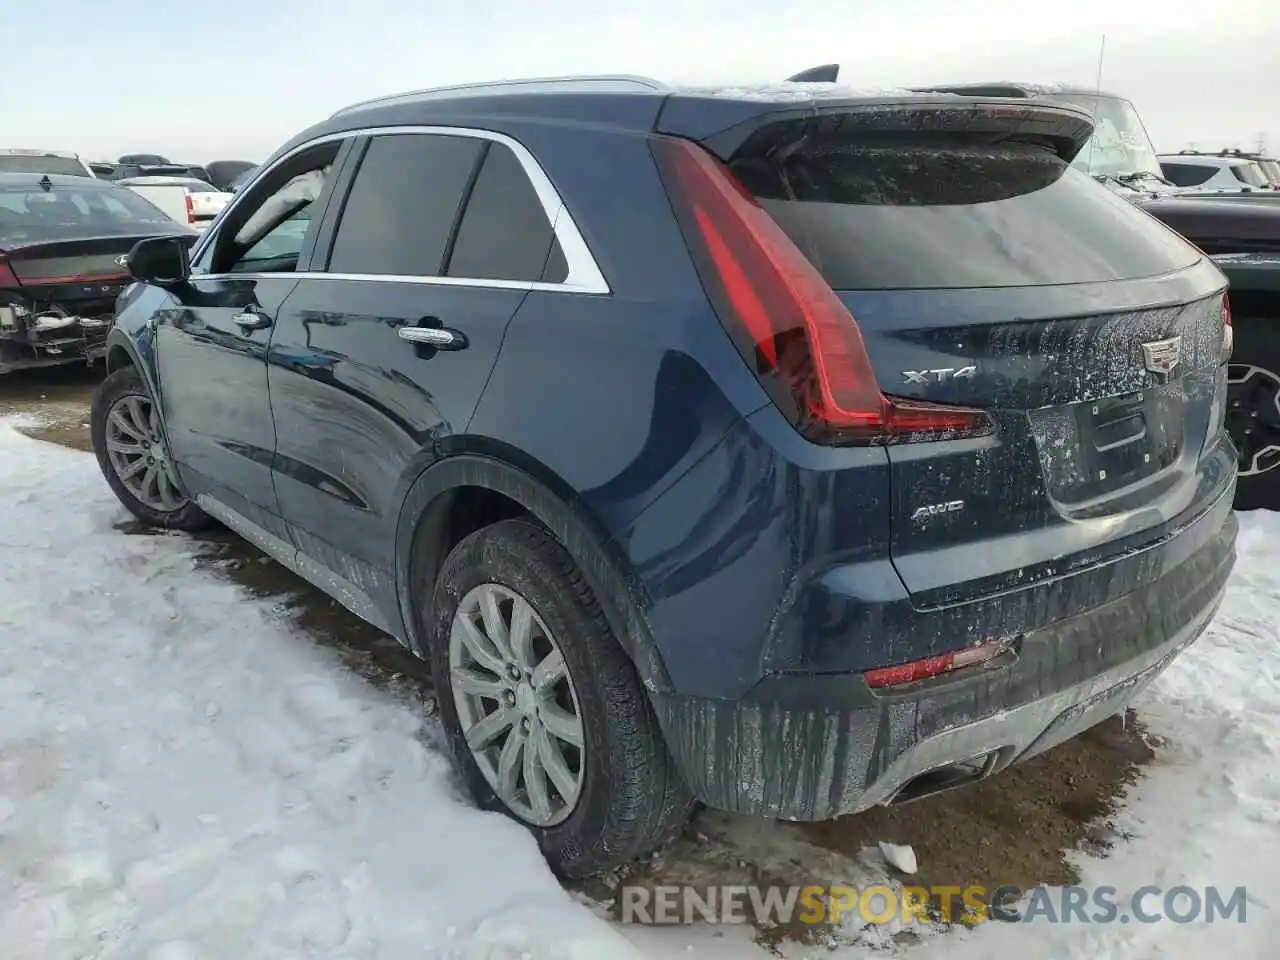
{"x":1017,"y":828}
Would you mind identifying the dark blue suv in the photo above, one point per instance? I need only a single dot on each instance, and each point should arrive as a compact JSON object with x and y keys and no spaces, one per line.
{"x":788,"y":450}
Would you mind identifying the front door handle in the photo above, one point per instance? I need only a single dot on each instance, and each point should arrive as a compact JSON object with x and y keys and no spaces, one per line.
{"x":442,"y":338}
{"x":251,"y":320}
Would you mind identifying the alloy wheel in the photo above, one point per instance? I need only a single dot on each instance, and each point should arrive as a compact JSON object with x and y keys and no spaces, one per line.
{"x":517,"y":705}
{"x":1253,"y":417}
{"x":138,"y":455}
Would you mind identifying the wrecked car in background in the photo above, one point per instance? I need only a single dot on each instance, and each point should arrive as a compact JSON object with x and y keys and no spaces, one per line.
{"x":63,"y":243}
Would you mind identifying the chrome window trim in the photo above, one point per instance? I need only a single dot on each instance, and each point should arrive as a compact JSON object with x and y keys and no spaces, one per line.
{"x":584,"y":275}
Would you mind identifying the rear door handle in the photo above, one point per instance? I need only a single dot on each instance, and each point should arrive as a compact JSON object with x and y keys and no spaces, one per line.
{"x":250,"y":320}
{"x":442,"y":338}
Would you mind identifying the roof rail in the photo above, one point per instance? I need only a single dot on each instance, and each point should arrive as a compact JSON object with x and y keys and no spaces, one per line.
{"x":621,"y":83}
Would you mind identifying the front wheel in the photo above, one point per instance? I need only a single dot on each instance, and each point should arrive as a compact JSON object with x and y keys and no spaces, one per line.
{"x":544,"y":711}
{"x":1253,"y":412}
{"x":129,"y":444}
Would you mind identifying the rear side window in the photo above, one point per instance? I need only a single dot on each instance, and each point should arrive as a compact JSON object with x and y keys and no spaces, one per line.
{"x":26,"y":163}
{"x":940,"y":213}
{"x":505,"y":233}
{"x":403,"y":204}
{"x":1187,"y":174}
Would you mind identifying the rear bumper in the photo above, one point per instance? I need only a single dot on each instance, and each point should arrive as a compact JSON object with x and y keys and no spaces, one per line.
{"x":817,"y":746}
{"x":82,"y":344}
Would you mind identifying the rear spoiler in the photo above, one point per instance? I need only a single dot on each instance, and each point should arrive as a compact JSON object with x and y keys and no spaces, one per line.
{"x":827,"y":73}
{"x":724,"y":120}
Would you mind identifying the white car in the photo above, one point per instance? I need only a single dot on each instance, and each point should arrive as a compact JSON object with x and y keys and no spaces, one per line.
{"x":186,"y":199}
{"x":1214,"y":173}
{"x":43,"y":161}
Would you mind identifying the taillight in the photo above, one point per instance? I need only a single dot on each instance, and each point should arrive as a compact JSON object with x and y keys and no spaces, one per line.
{"x":930,"y":667}
{"x":787,"y":322}
{"x":7,"y":277}
{"x":191,"y":210}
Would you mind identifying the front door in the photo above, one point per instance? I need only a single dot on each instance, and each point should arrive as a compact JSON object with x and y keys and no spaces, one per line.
{"x":211,"y":345}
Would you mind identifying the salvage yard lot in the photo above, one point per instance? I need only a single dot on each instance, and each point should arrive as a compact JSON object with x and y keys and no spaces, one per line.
{"x":201,"y":756}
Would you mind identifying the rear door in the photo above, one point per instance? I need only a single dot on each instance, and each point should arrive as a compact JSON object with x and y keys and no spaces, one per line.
{"x":986,"y":272}
{"x":381,"y":354}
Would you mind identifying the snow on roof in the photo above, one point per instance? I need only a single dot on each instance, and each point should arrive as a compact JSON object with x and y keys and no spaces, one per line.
{"x":792,"y":92}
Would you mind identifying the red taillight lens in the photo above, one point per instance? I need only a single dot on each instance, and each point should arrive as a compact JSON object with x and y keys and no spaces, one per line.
{"x":935,"y":666}
{"x":787,"y":322}
{"x":191,"y":210}
{"x":7,"y":277}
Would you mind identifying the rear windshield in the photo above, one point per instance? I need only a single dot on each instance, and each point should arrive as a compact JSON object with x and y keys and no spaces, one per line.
{"x":24,"y":163}
{"x":33,"y":215}
{"x":937,"y":214}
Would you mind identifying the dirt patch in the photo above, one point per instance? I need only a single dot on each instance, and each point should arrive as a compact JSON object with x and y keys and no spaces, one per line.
{"x":1015,"y":828}
{"x":57,"y":399}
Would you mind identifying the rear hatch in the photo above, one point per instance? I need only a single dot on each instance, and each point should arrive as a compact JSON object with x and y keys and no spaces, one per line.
{"x":986,"y":277}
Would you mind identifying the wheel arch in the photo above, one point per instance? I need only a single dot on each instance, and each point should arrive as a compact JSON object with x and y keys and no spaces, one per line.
{"x":123,"y":352}
{"x":423,"y":540}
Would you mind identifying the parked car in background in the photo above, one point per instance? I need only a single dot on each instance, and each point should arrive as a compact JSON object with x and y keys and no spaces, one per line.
{"x":1270,"y":165}
{"x":102,"y":169}
{"x":1244,"y":240}
{"x":63,"y":241}
{"x":241,"y":179}
{"x":129,"y":171}
{"x":1196,"y":172}
{"x":1240,"y":231}
{"x":535,"y":394}
{"x":186,"y":199}
{"x":144,"y":159}
{"x":222,"y":173}
{"x":55,"y":162}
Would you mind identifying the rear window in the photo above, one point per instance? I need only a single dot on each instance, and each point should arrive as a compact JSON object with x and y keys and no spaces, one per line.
{"x":1249,"y":173}
{"x":941,"y":215}
{"x":31,"y":215}
{"x":20,"y":163}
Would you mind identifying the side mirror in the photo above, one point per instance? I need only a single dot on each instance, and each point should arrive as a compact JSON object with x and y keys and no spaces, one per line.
{"x":163,"y":261}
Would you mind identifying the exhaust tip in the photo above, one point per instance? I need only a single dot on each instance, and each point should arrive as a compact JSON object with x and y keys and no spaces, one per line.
{"x":947,"y":777}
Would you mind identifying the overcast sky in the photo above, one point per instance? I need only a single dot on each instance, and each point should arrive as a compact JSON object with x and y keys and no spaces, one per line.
{"x":235,"y":78}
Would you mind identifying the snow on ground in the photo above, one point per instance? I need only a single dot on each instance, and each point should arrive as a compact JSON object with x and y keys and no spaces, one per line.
{"x":186,"y":776}
{"x":183,"y":776}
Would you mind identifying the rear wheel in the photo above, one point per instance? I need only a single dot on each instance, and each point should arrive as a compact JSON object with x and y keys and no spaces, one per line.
{"x":544,"y":712}
{"x":133,"y":456}
{"x":1253,"y":412}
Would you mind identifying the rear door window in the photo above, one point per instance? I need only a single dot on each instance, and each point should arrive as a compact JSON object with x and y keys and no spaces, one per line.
{"x":505,"y":233}
{"x":940,"y":213}
{"x":1187,"y":174}
{"x":403,"y":205}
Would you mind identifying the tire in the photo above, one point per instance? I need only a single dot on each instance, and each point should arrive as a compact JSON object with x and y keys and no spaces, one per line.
{"x":629,"y":798}
{"x":124,"y":394}
{"x":1253,"y":411}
